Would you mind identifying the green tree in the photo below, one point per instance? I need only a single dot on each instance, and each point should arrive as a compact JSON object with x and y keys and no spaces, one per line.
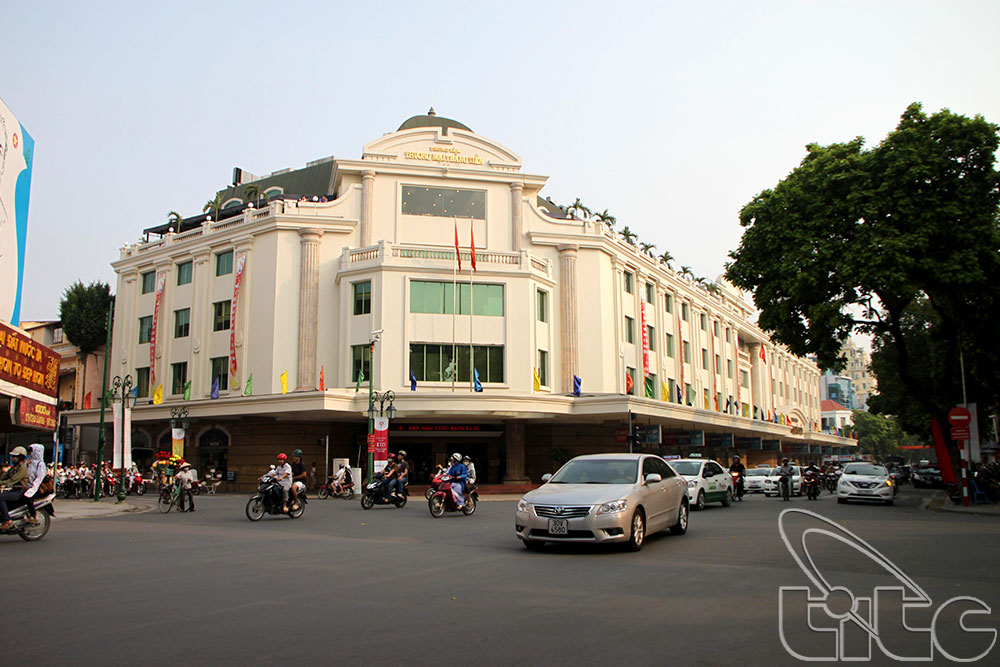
{"x":878,"y":435}
{"x":666,"y":258}
{"x":174,"y":219}
{"x":213,"y":206}
{"x":254,"y":193}
{"x":648,"y":248}
{"x":578,"y":207}
{"x":83,"y":311}
{"x":854,"y":239}
{"x":628,"y":235}
{"x":609,"y":220}
{"x":687,"y":272}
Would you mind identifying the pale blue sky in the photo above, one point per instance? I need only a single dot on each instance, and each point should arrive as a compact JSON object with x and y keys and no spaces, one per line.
{"x":672,"y":115}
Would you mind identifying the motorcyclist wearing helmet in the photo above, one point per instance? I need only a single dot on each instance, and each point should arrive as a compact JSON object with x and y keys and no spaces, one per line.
{"x":398,"y":483}
{"x":12,"y":484}
{"x":388,"y":473}
{"x":785,"y":471}
{"x":737,"y":466}
{"x":299,"y":476}
{"x":282,"y":474}
{"x":458,"y":473}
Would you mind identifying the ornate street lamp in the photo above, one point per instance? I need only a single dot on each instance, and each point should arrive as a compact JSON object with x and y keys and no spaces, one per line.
{"x":121,"y":389}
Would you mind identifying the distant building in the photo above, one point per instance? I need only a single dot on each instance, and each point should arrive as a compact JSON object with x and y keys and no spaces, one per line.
{"x":859,"y":371}
{"x":835,"y":418}
{"x":837,"y":388}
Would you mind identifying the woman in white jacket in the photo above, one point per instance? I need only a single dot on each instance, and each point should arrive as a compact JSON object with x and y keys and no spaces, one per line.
{"x":36,"y":473}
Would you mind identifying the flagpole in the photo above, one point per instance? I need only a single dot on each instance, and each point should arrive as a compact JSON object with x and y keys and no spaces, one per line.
{"x":454,"y":308}
{"x":472,"y":309}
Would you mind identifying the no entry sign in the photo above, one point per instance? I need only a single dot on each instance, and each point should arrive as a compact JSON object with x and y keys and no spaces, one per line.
{"x":959,"y":416}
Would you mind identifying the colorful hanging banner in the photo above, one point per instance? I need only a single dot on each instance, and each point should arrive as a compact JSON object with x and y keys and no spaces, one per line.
{"x":240,"y":263}
{"x":118,"y":430}
{"x":645,"y":338}
{"x":160,"y":282}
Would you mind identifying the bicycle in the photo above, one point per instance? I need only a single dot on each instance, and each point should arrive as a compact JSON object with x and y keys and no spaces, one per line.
{"x":169,"y":496}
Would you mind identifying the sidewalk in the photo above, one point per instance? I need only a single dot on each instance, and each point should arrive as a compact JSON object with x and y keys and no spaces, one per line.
{"x":939,"y":502}
{"x":88,"y":509}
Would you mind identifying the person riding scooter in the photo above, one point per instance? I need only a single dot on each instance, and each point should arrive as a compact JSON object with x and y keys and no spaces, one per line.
{"x":741,"y":472}
{"x":785,"y":472}
{"x":458,"y":474}
{"x":12,"y":484}
{"x":398,"y":483}
{"x":467,"y":462}
{"x":282,"y":474}
{"x":299,"y":476}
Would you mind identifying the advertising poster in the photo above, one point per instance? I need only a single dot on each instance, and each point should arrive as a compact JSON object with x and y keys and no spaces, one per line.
{"x":381,"y":443}
{"x":16,"y":150}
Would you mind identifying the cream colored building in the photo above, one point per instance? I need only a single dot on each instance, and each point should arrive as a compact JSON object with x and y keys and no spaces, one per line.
{"x":345,"y":247}
{"x":859,"y":370}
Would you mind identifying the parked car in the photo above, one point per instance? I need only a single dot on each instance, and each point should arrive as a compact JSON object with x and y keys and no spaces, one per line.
{"x":754,"y":479}
{"x":707,"y":482}
{"x":865,"y":481}
{"x":604,"y":498}
{"x":927,"y":477}
{"x":772,"y":481}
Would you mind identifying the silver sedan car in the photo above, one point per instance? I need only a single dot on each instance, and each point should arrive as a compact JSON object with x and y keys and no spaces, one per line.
{"x":604,"y":498}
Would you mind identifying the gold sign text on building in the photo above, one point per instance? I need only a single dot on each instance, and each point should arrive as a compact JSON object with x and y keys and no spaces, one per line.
{"x":439,"y":154}
{"x":36,"y":414}
{"x":27,"y":363}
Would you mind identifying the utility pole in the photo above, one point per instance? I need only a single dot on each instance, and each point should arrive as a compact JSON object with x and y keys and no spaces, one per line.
{"x":104,"y":392}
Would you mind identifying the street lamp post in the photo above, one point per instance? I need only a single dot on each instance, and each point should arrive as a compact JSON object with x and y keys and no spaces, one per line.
{"x":178,"y":416}
{"x":121,"y":388}
{"x":375,"y":336}
{"x":387,"y":396}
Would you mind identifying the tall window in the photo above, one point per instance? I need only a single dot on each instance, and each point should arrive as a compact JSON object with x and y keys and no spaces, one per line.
{"x":439,"y":298}
{"x":672,"y":388}
{"x":57,"y":335}
{"x":543,"y":367}
{"x":361,"y":362}
{"x":184,"y":273}
{"x":688,"y":394}
{"x":651,"y":333}
{"x":670,"y":345}
{"x":669,"y":298}
{"x":718,"y":366}
{"x":220,"y":372}
{"x":631,"y":373}
{"x":220,"y":315}
{"x":629,"y":329}
{"x":704,"y":358}
{"x":650,"y":294}
{"x":542,"y":305}
{"x":651,"y":385}
{"x":363,"y":298}
{"x":744,"y":379}
{"x":182,"y":322}
{"x":145,"y":329}
{"x":715,"y":328}
{"x":629,"y":282}
{"x":224,"y":263}
{"x":432,"y":362}
{"x":704,"y":322}
{"x":687,"y":352}
{"x":444,"y":202}
{"x":142,"y":382}
{"x":728,"y":339}
{"x":148,"y":282}
{"x":729,"y":368}
{"x":179,"y":379}
{"x":685,"y":312}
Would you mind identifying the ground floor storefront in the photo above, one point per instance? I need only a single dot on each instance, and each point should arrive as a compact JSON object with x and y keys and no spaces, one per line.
{"x":510,"y":440}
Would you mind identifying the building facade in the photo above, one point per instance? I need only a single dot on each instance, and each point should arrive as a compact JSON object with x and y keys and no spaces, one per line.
{"x":859,"y":370}
{"x":570,"y":332}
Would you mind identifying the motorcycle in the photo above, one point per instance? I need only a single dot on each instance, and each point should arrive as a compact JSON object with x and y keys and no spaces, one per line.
{"x":43,"y":514}
{"x":786,"y":486}
{"x":738,"y":486}
{"x":435,"y":483}
{"x":811,"y":481}
{"x":830,"y":481}
{"x":375,"y":494}
{"x":268,"y":500}
{"x":328,"y":491}
{"x":443,"y":500}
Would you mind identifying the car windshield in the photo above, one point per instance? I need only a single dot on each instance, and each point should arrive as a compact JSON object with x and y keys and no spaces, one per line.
{"x":873,"y":470}
{"x":686,"y":467}
{"x":759,"y":472}
{"x":929,"y":471}
{"x":597,"y":471}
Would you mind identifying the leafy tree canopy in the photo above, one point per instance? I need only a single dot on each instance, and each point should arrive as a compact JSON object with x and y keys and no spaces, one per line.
{"x":900,"y":241}
{"x":84,"y":314}
{"x":879,"y":435}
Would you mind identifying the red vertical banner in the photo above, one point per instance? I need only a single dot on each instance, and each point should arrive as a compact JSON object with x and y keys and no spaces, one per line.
{"x":645,"y":339}
{"x":240,"y":263}
{"x":160,"y":282}
{"x":381,"y":442}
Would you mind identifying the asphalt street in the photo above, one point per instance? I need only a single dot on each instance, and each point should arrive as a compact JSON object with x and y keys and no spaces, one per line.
{"x":342,"y":585}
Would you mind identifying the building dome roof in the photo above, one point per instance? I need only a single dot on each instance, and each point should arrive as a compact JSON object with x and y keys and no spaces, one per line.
{"x":431,"y":119}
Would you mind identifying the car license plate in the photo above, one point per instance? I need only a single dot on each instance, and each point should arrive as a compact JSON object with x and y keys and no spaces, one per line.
{"x":866,"y":492}
{"x":558,"y":527}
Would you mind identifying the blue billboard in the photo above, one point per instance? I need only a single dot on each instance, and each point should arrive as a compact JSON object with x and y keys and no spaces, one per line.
{"x":16,"y":151}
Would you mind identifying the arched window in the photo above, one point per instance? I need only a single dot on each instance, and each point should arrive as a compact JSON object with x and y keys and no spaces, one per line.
{"x":213,"y":452}
{"x":235,"y":201}
{"x":273,"y":192}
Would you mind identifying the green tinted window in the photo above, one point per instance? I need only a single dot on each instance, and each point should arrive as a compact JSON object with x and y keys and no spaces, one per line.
{"x":145,"y":329}
{"x":184,"y":272}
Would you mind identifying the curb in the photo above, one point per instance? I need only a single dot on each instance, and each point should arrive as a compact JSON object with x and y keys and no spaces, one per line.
{"x":939,"y":503}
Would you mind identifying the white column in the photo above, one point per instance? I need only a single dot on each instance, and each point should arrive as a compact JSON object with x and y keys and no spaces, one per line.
{"x":568,"y":333}
{"x":367,"y":206}
{"x":516,"y":230}
{"x":308,"y":308}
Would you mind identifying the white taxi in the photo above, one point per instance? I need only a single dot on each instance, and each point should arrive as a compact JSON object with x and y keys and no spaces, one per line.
{"x":865,"y":481}
{"x":707,"y":481}
{"x":753,"y":481}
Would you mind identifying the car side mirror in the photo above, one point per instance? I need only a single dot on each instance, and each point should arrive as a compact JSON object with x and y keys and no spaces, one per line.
{"x":653,"y":477}
{"x":546,"y":477}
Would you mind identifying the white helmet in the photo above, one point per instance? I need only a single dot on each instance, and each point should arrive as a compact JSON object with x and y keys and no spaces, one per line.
{"x":19,"y":451}
{"x":456,"y":457}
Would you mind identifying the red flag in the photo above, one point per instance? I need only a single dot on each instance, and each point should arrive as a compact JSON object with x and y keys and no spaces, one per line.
{"x":86,"y":401}
{"x":472,"y":238}
{"x":628,"y":384}
{"x":458,"y":253}
{"x":322,"y":384}
{"x":762,"y":357}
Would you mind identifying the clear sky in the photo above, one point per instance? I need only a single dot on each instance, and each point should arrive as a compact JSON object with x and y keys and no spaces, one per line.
{"x":672,"y":115}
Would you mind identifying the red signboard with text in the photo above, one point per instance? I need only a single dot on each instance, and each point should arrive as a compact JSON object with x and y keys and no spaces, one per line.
{"x":35,"y":414}
{"x":26,"y":363}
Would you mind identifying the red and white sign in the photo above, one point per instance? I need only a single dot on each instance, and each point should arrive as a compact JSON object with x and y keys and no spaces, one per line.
{"x":960,"y":433}
{"x":381,"y":442}
{"x":160,"y":282}
{"x":645,"y":339}
{"x":959,"y":416}
{"x":232,"y":316}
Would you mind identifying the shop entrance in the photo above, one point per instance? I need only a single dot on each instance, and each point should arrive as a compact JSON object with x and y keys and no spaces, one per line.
{"x":425,"y":451}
